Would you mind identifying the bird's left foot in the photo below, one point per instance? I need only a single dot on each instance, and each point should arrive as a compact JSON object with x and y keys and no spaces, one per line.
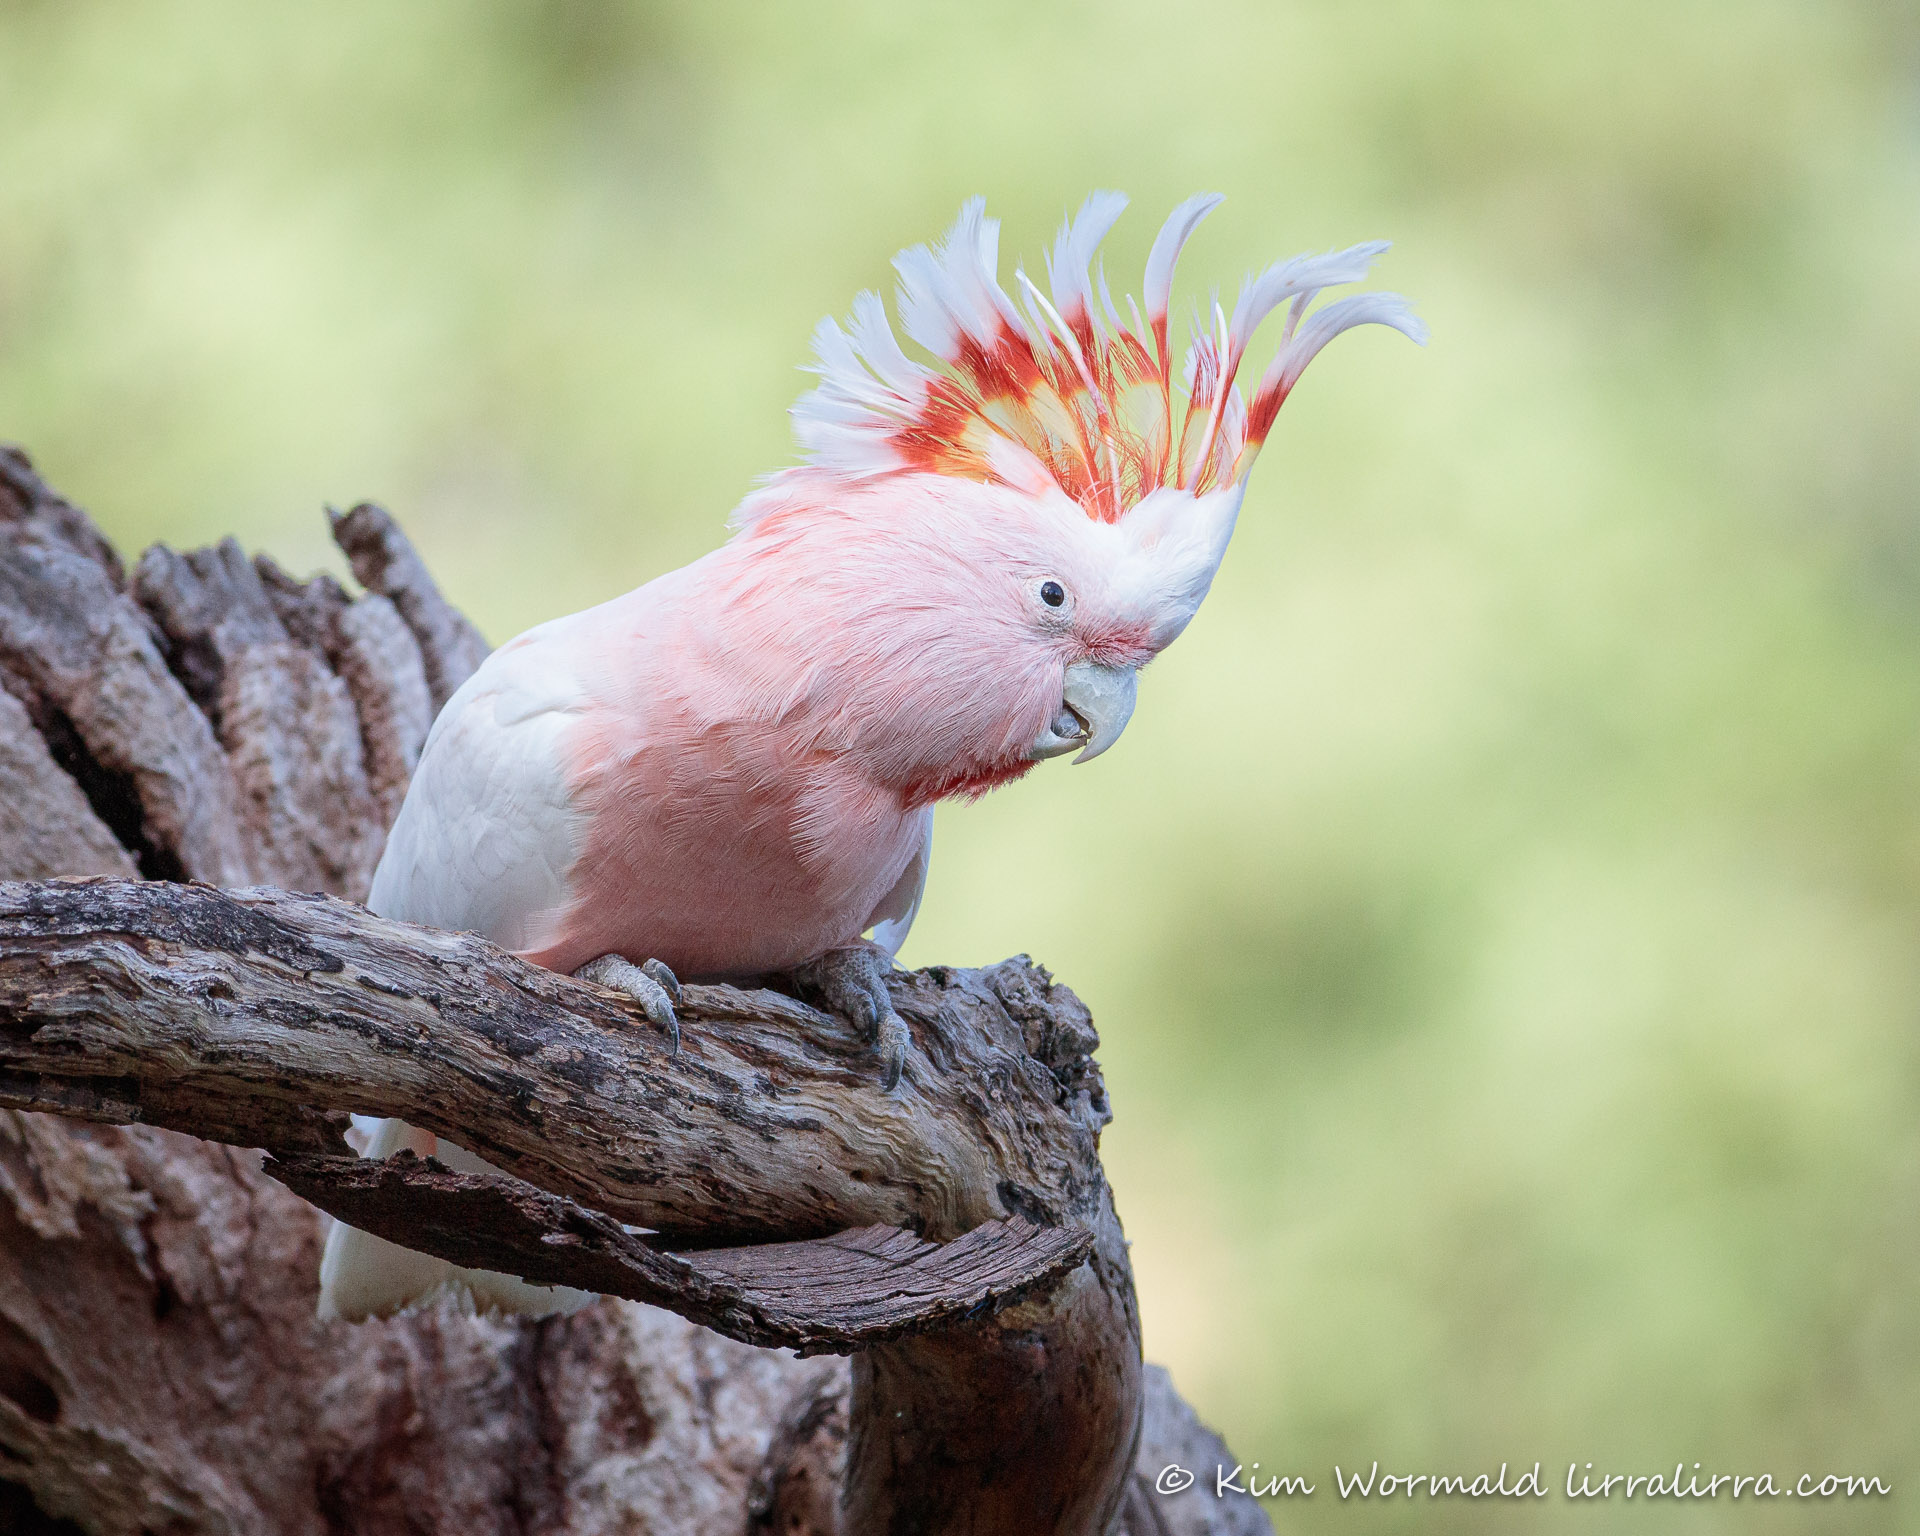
{"x":853,"y":983}
{"x":650,"y":984}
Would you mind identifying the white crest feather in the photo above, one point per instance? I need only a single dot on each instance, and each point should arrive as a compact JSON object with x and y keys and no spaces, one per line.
{"x":1068,"y":386}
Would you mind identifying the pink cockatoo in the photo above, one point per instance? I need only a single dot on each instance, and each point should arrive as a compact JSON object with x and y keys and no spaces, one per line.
{"x":732,"y":770}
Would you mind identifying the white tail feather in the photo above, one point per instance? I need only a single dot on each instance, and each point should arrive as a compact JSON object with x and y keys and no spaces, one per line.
{"x":364,"y":1276}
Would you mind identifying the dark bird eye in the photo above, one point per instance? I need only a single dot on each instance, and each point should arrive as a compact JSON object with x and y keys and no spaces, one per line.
{"x":1052,"y":593}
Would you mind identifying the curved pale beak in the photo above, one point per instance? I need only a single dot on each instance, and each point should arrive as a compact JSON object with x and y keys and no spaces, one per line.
{"x":1096,"y":702}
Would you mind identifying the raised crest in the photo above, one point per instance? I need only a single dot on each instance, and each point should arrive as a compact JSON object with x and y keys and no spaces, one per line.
{"x":1057,"y":387}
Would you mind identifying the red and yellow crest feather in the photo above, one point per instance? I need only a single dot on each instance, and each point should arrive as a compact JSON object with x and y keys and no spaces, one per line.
{"x":1061,"y":387}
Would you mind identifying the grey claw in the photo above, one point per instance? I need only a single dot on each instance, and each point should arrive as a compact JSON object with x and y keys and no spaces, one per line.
{"x":890,"y":1040}
{"x":669,"y":983}
{"x":852,"y":982}
{"x":654,"y":987}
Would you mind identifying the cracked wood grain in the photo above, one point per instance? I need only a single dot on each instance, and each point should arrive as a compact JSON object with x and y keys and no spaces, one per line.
{"x":46,"y":826}
{"x":84,"y":659}
{"x":385,"y":561}
{"x":288,"y":724}
{"x":374,"y":653}
{"x":825,"y":1295}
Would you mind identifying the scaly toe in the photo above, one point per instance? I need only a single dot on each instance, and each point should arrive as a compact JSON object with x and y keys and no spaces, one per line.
{"x":890,"y":1040}
{"x":662,"y":973}
{"x":852,"y":982}
{"x":652,"y":986}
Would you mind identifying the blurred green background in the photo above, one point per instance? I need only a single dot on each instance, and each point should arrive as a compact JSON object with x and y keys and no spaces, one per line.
{"x":1503,"y":916}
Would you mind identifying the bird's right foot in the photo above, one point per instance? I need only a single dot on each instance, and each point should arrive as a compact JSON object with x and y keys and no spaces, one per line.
{"x":651,"y":984}
{"x":852,"y":982}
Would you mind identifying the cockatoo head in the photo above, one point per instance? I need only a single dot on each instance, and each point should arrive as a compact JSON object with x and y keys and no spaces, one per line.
{"x":1009,"y":528}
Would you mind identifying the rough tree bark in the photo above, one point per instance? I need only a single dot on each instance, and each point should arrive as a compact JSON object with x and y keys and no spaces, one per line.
{"x":161,"y":1368}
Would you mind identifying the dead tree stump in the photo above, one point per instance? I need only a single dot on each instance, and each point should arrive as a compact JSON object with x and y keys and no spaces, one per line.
{"x":212,"y":719}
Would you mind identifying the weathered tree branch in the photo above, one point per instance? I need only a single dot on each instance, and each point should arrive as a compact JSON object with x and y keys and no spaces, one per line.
{"x":177,"y":1005}
{"x":174,"y":1005}
{"x":384,"y":562}
{"x":823,"y":1295}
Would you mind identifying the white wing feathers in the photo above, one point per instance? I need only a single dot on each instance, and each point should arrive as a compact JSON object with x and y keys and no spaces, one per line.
{"x":487,"y":835}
